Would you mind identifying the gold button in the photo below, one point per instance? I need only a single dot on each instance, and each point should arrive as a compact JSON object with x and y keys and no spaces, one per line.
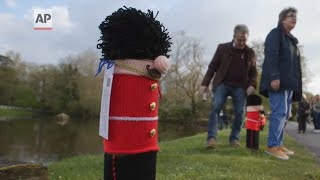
{"x":153,"y":106}
{"x":152,"y":132}
{"x":154,"y":86}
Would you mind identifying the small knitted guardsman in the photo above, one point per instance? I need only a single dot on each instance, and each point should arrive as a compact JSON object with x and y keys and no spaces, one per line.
{"x":137,"y":45}
{"x":255,"y":121}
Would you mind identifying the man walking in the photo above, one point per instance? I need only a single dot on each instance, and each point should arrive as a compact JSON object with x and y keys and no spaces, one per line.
{"x":234,"y":70}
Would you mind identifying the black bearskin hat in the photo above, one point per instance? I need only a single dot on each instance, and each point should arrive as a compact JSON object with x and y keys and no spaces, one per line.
{"x":129,"y":33}
{"x":254,"y":100}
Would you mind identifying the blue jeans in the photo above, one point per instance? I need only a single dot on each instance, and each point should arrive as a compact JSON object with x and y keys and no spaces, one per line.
{"x":316,"y":119}
{"x":220,"y":96}
{"x":280,"y":104}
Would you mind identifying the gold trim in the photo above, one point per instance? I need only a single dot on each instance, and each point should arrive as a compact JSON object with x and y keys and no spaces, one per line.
{"x":153,"y":132}
{"x":154,"y":86}
{"x":153,"y":106}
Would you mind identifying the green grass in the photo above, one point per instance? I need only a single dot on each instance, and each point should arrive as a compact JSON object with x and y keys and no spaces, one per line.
{"x":14,"y":113}
{"x":186,"y":158}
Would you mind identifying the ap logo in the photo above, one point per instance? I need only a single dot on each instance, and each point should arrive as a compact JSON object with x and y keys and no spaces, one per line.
{"x":42,"y":19}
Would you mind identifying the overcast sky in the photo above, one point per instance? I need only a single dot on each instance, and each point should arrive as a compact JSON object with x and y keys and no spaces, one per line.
{"x":75,"y":25}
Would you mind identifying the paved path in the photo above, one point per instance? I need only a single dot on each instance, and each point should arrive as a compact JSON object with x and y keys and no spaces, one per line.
{"x":309,"y":140}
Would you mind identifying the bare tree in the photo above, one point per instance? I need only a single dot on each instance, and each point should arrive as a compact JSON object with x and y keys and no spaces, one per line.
{"x":89,"y":86}
{"x":19,"y":65}
{"x":86,"y":62}
{"x":185,"y":75}
{"x":258,"y":47}
{"x":306,"y":73}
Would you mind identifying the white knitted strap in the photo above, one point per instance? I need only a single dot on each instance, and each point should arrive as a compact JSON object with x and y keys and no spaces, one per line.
{"x":126,"y":118}
{"x":252,"y":120}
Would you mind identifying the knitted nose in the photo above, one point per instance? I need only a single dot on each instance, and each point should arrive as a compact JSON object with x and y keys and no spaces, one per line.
{"x":162,"y":64}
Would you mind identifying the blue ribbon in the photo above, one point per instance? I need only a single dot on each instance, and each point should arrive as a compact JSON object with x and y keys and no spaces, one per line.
{"x":103,"y":62}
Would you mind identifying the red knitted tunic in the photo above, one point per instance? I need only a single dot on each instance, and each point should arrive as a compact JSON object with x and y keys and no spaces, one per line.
{"x":132,"y":120}
{"x":254,"y":119}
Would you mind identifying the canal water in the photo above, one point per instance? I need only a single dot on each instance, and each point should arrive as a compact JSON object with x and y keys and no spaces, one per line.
{"x":45,"y":140}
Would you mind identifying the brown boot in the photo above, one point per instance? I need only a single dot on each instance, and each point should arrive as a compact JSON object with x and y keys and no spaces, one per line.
{"x":235,"y":144}
{"x":286,"y":151}
{"x":274,"y":151}
{"x":211,"y":143}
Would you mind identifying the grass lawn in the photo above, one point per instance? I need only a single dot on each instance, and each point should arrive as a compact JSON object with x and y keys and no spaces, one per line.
{"x":14,"y":113}
{"x":186,"y":158}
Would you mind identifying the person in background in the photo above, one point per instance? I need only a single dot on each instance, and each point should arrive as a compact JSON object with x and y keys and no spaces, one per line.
{"x":281,"y":79}
{"x":234,"y":70}
{"x":316,"y":113}
{"x":303,"y":114}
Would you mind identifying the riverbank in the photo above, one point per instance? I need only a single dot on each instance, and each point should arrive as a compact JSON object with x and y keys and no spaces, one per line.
{"x":11,"y":113}
{"x":186,"y":158}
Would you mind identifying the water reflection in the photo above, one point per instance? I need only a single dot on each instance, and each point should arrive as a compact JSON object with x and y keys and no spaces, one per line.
{"x":45,"y":141}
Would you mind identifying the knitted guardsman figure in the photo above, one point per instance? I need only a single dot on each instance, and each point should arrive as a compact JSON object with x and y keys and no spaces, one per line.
{"x":135,"y":48}
{"x":255,"y":121}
